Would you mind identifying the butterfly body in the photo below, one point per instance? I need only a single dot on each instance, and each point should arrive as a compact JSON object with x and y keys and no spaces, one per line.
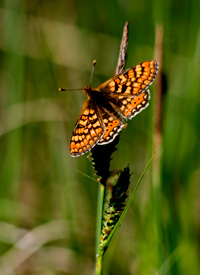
{"x":102,"y":115}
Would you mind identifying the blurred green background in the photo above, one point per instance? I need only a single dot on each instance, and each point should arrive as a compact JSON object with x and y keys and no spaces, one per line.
{"x":47,"y":208}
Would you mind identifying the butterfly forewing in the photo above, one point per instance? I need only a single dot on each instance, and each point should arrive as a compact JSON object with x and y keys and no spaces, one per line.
{"x":133,"y":81}
{"x":88,"y":130}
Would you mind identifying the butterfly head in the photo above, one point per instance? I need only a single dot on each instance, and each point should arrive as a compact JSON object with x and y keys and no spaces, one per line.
{"x":87,"y":90}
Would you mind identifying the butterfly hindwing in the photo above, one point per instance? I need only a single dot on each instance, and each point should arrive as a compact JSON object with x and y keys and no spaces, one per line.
{"x":113,"y":124}
{"x":131,"y":106}
{"x":88,"y":130}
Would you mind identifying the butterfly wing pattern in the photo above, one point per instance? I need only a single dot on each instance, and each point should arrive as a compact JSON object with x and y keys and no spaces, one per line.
{"x":88,"y":130}
{"x":121,"y":97}
{"x":113,"y":124}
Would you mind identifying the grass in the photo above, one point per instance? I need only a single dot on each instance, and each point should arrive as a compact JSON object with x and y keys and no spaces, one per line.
{"x":49,"y":45}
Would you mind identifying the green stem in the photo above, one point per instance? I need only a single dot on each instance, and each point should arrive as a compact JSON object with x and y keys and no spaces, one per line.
{"x":99,"y":264}
{"x":101,"y":193}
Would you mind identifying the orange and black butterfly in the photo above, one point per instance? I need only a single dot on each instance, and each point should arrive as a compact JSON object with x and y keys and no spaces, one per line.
{"x":102,"y":115}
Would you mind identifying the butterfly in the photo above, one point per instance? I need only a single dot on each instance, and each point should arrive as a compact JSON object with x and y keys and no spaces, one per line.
{"x":102,"y":115}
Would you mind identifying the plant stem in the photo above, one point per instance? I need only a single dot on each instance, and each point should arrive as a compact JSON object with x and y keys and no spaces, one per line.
{"x":99,"y":264}
{"x":157,"y":148}
{"x":101,"y":189}
{"x":101,"y":194}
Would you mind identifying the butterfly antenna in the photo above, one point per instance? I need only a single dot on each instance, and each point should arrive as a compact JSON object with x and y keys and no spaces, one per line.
{"x":63,"y":90}
{"x":93,"y":65}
